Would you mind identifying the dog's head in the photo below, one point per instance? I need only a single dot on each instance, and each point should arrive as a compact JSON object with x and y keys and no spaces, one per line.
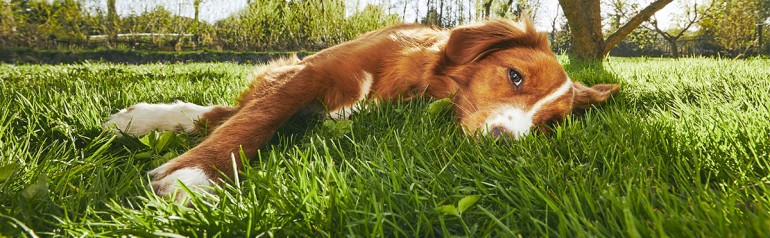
{"x":510,"y":81}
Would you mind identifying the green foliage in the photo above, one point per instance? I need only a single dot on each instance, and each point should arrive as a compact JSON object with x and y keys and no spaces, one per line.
{"x":371,"y":18}
{"x":732,"y":24}
{"x":297,"y":25}
{"x":161,"y":20}
{"x":294,"y":25}
{"x":439,"y":107}
{"x":263,"y":25}
{"x":462,"y":205}
{"x":642,"y":41}
{"x":162,"y":147}
{"x":337,"y":129}
{"x":7,"y":171}
{"x":29,"y":56}
{"x":38,"y":189}
{"x":42,"y":23}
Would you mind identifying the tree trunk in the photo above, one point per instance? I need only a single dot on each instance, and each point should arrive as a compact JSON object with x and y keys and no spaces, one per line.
{"x":8,"y":24}
{"x":669,"y":38}
{"x":112,"y":23}
{"x":471,"y":13}
{"x":584,"y":19}
{"x":487,"y":6}
{"x":441,"y":13}
{"x":196,"y":37}
{"x":553,"y":27}
{"x":417,"y":11}
{"x":458,"y":14}
{"x":507,"y":7}
{"x":674,"y":48}
{"x":197,"y":5}
{"x":403,"y":15}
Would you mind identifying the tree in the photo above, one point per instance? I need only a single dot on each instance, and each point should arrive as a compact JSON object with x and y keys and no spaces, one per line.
{"x":439,"y":14}
{"x":487,"y":6}
{"x":584,"y":19}
{"x":519,"y":8}
{"x":431,"y":18}
{"x":197,"y":28}
{"x":559,"y":35}
{"x":733,"y":24}
{"x":7,"y":24}
{"x":112,"y":22}
{"x":640,"y":41}
{"x":692,"y":15}
{"x":197,"y":6}
{"x":44,"y":24}
{"x":71,"y":19}
{"x":403,"y":15}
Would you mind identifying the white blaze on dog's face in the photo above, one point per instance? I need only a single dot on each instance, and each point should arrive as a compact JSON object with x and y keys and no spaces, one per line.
{"x":510,"y":81}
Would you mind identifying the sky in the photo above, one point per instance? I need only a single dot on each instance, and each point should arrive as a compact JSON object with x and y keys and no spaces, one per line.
{"x":213,"y":10}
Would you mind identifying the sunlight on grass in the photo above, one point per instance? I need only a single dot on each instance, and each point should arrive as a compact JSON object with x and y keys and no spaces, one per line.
{"x":682,"y":150}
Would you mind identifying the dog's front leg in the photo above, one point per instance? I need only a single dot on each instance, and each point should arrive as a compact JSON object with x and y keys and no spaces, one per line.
{"x":249,"y":129}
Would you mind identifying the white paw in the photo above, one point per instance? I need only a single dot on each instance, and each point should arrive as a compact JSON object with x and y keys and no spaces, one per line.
{"x":169,"y":184}
{"x":142,"y":118}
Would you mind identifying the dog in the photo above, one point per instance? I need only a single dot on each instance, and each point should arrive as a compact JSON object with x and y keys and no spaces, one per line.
{"x":501,"y":75}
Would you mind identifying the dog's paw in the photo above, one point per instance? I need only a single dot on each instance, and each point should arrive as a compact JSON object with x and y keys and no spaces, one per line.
{"x":142,"y":118}
{"x":167,"y":181}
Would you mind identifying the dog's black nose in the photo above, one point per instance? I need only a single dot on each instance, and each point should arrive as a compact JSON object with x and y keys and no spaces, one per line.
{"x":498,"y":131}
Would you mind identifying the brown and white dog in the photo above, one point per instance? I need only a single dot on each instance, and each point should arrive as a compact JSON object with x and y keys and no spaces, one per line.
{"x":501,"y":75}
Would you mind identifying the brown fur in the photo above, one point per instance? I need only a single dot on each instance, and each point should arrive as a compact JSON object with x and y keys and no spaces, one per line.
{"x":468,"y":63}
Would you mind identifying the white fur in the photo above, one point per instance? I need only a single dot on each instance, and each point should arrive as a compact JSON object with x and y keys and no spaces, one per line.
{"x":564,"y":88}
{"x":516,"y":120}
{"x":193,"y":178}
{"x":142,"y":118}
{"x":347,"y":110}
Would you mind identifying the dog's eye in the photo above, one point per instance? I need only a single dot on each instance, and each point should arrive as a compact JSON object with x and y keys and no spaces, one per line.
{"x":515,"y":77}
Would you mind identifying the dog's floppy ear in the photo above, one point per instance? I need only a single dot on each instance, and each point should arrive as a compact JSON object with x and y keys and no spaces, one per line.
{"x":585,"y":96}
{"x":470,"y":43}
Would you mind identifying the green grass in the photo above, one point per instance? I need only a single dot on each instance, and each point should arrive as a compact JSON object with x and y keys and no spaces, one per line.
{"x":681,"y":151}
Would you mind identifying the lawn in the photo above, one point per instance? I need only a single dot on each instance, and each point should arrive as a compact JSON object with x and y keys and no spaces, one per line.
{"x":681,"y":151}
